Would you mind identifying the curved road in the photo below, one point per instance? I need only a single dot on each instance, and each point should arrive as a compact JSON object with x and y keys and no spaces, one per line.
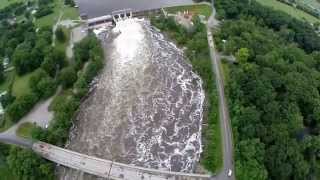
{"x":226,"y":131}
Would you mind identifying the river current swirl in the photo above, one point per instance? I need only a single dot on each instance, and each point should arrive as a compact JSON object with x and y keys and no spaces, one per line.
{"x":147,"y":105}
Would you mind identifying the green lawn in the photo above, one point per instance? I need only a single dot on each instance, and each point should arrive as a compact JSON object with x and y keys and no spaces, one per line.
{"x":21,"y":84}
{"x":5,"y":3}
{"x":299,"y":14}
{"x":59,"y":8}
{"x":25,"y":129}
{"x":70,"y":13}
{"x":202,"y":9}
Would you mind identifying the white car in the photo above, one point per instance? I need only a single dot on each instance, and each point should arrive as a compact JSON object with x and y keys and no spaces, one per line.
{"x":229,"y":174}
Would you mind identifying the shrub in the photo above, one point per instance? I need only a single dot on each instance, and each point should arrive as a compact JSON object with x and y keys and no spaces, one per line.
{"x":67,"y":77}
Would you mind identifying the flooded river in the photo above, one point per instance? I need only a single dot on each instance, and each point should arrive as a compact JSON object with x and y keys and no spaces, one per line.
{"x":94,"y":8}
{"x":146,"y":108}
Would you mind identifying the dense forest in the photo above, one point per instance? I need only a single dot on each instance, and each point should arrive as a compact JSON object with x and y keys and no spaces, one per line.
{"x":273,"y":91}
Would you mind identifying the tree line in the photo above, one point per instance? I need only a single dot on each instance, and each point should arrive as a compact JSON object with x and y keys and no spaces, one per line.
{"x":294,"y":30}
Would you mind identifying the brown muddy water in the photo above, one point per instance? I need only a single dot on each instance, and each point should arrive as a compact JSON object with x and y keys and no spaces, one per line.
{"x":147,"y":105}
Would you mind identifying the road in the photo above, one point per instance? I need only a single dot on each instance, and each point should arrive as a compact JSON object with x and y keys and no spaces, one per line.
{"x":226,"y":131}
{"x":39,"y":115}
{"x":13,"y":139}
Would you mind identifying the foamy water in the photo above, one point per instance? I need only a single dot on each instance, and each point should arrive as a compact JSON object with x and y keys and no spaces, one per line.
{"x":147,"y":107}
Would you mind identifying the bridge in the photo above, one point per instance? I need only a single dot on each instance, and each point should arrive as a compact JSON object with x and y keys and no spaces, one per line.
{"x":97,"y":166}
{"x":106,"y":168}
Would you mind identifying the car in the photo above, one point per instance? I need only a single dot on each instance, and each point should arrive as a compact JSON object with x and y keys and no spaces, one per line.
{"x":229,"y":174}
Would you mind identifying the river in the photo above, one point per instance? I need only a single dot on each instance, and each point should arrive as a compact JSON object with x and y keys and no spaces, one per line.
{"x":94,"y":8}
{"x":147,"y":105}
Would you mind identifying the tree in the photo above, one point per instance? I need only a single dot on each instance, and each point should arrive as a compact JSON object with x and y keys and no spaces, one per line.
{"x":42,"y":84}
{"x":1,"y":72}
{"x":60,"y":34}
{"x":21,"y":106}
{"x":28,"y":166}
{"x":67,"y":77}
{"x":69,"y":2}
{"x":53,"y":62}
{"x":242,"y":55}
{"x":88,"y":48}
{"x":25,"y":59}
{"x":7,"y":99}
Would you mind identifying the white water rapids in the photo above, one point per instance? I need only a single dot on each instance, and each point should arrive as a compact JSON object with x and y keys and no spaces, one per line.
{"x":147,"y":106}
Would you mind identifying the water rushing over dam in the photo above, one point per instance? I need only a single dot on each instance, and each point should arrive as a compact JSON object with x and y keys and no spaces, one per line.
{"x":146,"y":108}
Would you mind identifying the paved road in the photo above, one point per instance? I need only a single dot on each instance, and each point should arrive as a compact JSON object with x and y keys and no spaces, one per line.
{"x":13,"y":139}
{"x":39,"y":115}
{"x":226,"y":131}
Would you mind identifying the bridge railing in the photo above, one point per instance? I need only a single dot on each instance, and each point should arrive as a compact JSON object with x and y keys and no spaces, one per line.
{"x":107,"y":168}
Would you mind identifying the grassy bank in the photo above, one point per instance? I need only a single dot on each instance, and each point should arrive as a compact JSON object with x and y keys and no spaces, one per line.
{"x":198,"y":53}
{"x":299,"y":14}
{"x":21,"y":85}
{"x":25,"y":129}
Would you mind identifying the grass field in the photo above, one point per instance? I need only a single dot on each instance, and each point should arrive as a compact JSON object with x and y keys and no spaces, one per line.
{"x":25,"y":129}
{"x":59,"y":8}
{"x":299,"y":14}
{"x":70,"y":13}
{"x":21,"y":85}
{"x":5,"y":3}
{"x":202,"y":9}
